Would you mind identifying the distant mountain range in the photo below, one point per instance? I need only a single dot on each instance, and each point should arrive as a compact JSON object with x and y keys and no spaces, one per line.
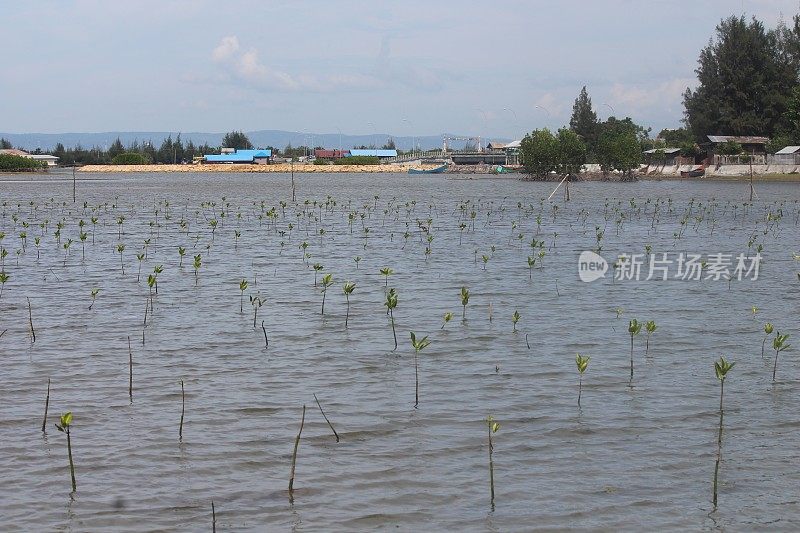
{"x":260,"y":139}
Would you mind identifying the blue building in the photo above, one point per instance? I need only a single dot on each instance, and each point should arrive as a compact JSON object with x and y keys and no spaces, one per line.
{"x":248,"y":157}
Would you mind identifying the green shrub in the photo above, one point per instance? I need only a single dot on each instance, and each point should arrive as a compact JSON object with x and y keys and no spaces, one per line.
{"x":130,"y":158}
{"x":16,"y":163}
{"x":729,"y":148}
{"x":358,"y":160}
{"x":321,"y":161}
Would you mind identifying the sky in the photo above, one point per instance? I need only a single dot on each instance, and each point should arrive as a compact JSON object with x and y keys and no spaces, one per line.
{"x":490,"y":68}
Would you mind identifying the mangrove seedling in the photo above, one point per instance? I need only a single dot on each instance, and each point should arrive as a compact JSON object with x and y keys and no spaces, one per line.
{"x":357,"y":259}
{"x":94,"y":297}
{"x":327,"y":281}
{"x":386,"y":272}
{"x":196,"y":265}
{"x":531,"y":263}
{"x":721,"y":369}
{"x":779,"y":345}
{"x":256,"y":302}
{"x":317,"y":267}
{"x":493,"y":427}
{"x":650,"y":326}
{"x":3,"y":279}
{"x":582,"y":361}
{"x":464,"y":302}
{"x":181,"y":253}
{"x":514,"y":319}
{"x":242,"y":287}
{"x":448,"y":316}
{"x":140,"y":257}
{"x":66,"y":421}
{"x":391,"y":303}
{"x":485,"y":259}
{"x":348,"y":289}
{"x":634,"y":327}
{"x":120,"y":249}
{"x":767,"y":332}
{"x":418,"y":345}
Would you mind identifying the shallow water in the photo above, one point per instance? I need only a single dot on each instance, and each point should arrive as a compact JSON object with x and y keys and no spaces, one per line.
{"x":635,"y":456}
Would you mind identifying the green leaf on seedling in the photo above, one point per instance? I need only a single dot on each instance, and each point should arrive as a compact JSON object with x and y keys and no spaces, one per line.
{"x":650,"y":326}
{"x":493,"y":426}
{"x":722,"y":367}
{"x":243,"y":285}
{"x":768,"y":328}
{"x":515,"y":317}
{"x":582,"y":361}
{"x":634,"y":327}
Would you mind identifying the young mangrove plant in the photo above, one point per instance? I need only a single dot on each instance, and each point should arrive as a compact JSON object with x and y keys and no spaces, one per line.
{"x":140,"y":258}
{"x":181,"y":253}
{"x":242,"y":287}
{"x":94,"y":294}
{"x":448,"y":316}
{"x":256,"y":302}
{"x":391,"y":304}
{"x":3,"y":279}
{"x":327,"y":281}
{"x":650,"y":326}
{"x":779,"y":345}
{"x":531,"y":263}
{"x":196,"y":265}
{"x":634,"y":327}
{"x":464,"y":302}
{"x":582,"y":362}
{"x":721,"y":369}
{"x":493,"y":428}
{"x":514,"y":319}
{"x":418,"y":345}
{"x":65,"y":423}
{"x":348,"y":289}
{"x":317,"y":267}
{"x":768,"y":328}
{"x":120,"y":249}
{"x":386,"y":272}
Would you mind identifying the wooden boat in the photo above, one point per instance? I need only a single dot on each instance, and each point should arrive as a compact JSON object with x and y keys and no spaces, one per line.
{"x":437,"y":170}
{"x":696,"y":173}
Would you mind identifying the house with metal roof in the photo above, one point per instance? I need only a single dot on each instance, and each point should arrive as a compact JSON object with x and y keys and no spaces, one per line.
{"x":51,"y":160}
{"x":662,"y":156}
{"x":789,"y":155}
{"x":750,"y":144}
{"x":251,"y":157}
{"x":371,"y":152}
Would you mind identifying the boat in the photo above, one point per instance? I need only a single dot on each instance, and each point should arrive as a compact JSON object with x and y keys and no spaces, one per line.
{"x":696,"y":173}
{"x":436,"y":170}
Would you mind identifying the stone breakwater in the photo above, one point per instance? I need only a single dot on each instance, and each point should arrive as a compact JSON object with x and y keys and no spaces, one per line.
{"x":281,"y":167}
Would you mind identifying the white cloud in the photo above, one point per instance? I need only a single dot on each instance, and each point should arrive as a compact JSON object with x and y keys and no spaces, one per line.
{"x":225,"y":49}
{"x":667,"y":94}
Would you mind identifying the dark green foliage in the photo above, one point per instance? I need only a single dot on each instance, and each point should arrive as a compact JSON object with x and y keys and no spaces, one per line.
{"x":584,"y":119}
{"x":16,"y":163}
{"x":618,"y":150}
{"x":675,"y":138}
{"x":130,"y":158}
{"x":5,"y":145}
{"x":745,"y":79}
{"x":357,"y":160}
{"x":542,"y":152}
{"x":236,"y":139}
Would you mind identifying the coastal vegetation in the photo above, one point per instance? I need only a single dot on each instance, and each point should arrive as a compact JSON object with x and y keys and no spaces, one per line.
{"x":17,"y":163}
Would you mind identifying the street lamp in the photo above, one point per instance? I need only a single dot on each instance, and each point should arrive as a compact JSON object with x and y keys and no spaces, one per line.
{"x":516,"y":123}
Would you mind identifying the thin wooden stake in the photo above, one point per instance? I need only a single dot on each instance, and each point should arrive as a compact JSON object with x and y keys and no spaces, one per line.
{"x":213,"y":518}
{"x":326,"y":419}
{"x":266,"y":340}
{"x":183,"y":410}
{"x":46,"y":405}
{"x":130,"y":370}
{"x":30,"y":319}
{"x":294,"y":453}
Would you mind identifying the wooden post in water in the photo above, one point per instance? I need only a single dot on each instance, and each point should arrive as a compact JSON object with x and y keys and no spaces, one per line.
{"x":293,"y":197}
{"x":294,"y":453}
{"x":30,"y":320}
{"x":46,"y":405}
{"x":73,"y":183}
{"x":130,"y":370}
{"x":183,"y":410}
{"x":752,"y":189}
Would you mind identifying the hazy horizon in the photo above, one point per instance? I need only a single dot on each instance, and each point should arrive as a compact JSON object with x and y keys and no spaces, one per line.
{"x":494,"y":70}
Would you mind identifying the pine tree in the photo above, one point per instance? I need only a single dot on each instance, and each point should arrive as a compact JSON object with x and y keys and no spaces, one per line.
{"x":584,"y":119}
